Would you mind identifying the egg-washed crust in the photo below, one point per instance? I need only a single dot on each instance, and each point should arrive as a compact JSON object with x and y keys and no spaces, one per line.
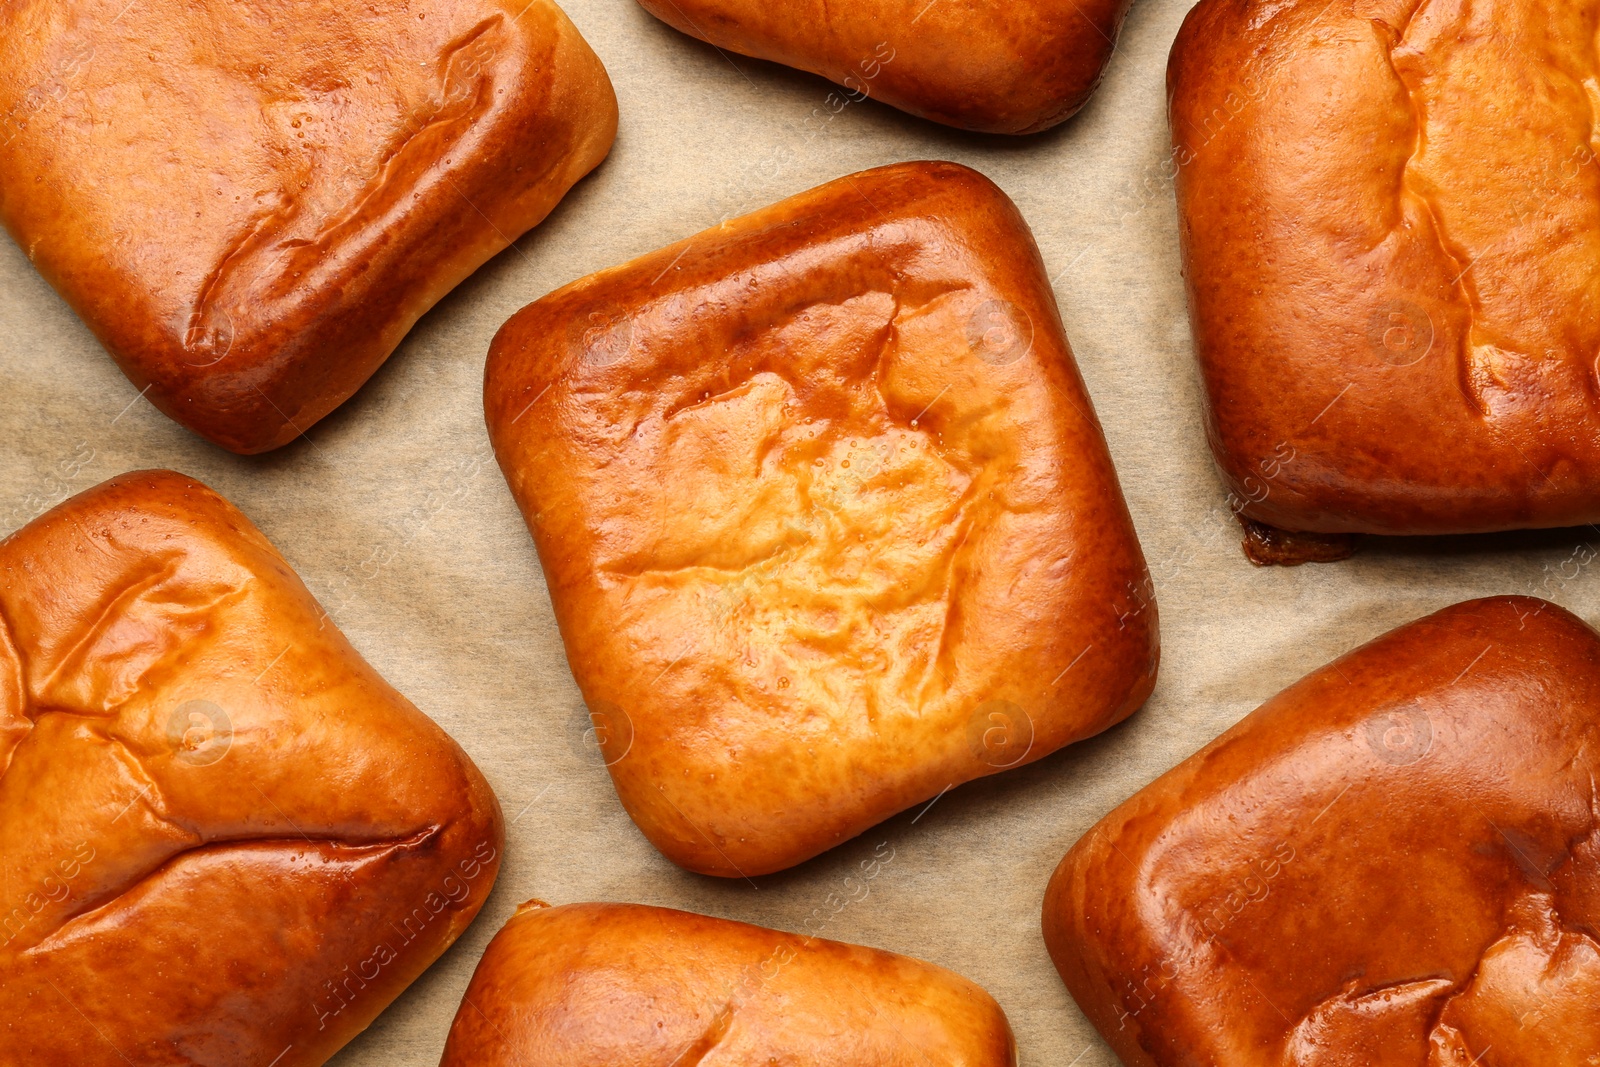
{"x":1015,"y":68}
{"x":827,"y":519}
{"x":223,"y":838}
{"x":1393,"y":863}
{"x":619,"y":985}
{"x":1390,"y":216}
{"x":251,"y":204}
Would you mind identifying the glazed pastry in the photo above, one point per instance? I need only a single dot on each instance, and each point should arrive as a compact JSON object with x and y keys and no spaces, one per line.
{"x":1393,"y":259}
{"x":827,"y":519}
{"x":618,"y":985}
{"x":223,"y":838}
{"x":251,"y":204}
{"x":1393,"y":863}
{"x":1017,"y":67}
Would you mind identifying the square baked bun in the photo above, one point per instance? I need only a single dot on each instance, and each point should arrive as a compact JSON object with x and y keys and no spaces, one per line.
{"x":996,"y":66}
{"x":828,"y":522}
{"x":1391,"y":229}
{"x":223,"y":838}
{"x":619,"y":985}
{"x":1395,"y":862}
{"x":250,"y":204}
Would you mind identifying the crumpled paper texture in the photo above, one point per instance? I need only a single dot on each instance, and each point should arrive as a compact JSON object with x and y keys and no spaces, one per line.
{"x":394,"y":513}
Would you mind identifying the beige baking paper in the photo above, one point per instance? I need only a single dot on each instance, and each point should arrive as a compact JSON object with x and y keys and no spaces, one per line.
{"x":394,"y":513}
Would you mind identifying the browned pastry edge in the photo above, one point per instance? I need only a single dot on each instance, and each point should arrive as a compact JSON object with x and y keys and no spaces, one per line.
{"x":1268,"y":546}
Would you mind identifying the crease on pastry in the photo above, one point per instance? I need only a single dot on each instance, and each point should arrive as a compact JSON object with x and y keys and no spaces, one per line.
{"x":1498,"y":362}
{"x":146,"y":574}
{"x":823,"y":528}
{"x":14,"y":721}
{"x":474,"y":104}
{"x":1304,"y":1043}
{"x":334,"y":230}
{"x":879,"y":368}
{"x":733,"y":391}
{"x":336,"y":850}
{"x":708,"y":569}
{"x":1471,"y":376}
{"x":106,"y":693}
{"x":942,"y":662}
{"x":1549,"y":933}
{"x":1534,"y":924}
{"x":713,"y":1035}
{"x":740,"y":383}
{"x":151,"y":796}
{"x":207,"y":309}
{"x":936,"y":668}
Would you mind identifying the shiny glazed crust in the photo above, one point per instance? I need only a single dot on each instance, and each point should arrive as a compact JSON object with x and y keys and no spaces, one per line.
{"x":223,"y":838}
{"x":618,"y":985}
{"x":997,"y":66}
{"x":1393,"y":863}
{"x":1391,"y":226}
{"x":251,"y":204}
{"x":828,"y":522}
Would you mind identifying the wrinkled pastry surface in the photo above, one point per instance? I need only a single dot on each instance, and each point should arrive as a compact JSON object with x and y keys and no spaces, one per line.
{"x":618,"y":985}
{"x":251,"y":204}
{"x":1391,"y":223}
{"x":828,"y":522}
{"x":223,"y":838}
{"x":1393,"y":863}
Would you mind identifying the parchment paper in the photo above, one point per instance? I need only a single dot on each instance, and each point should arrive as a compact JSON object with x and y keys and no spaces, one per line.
{"x":397,"y":518}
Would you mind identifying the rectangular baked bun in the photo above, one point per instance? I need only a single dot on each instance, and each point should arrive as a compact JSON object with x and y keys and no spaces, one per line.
{"x":828,"y":522}
{"x":619,"y":985}
{"x":996,"y":66}
{"x":223,"y":838}
{"x":1390,"y":215}
{"x":250,"y":204}
{"x":1395,"y":862}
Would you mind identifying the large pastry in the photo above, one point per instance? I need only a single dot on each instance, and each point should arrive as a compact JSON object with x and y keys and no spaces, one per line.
{"x":223,"y":838}
{"x":618,"y":985}
{"x":1015,"y":67}
{"x":1391,"y":229}
{"x":828,"y":522}
{"x":251,"y":204}
{"x":1393,"y":863}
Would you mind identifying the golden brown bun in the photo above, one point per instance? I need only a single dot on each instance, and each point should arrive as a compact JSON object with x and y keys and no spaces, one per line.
{"x":619,"y":985}
{"x":1393,"y":863}
{"x":1392,"y":258}
{"x":1018,"y":66}
{"x":251,"y":204}
{"x":223,"y":838}
{"x":828,"y":522}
